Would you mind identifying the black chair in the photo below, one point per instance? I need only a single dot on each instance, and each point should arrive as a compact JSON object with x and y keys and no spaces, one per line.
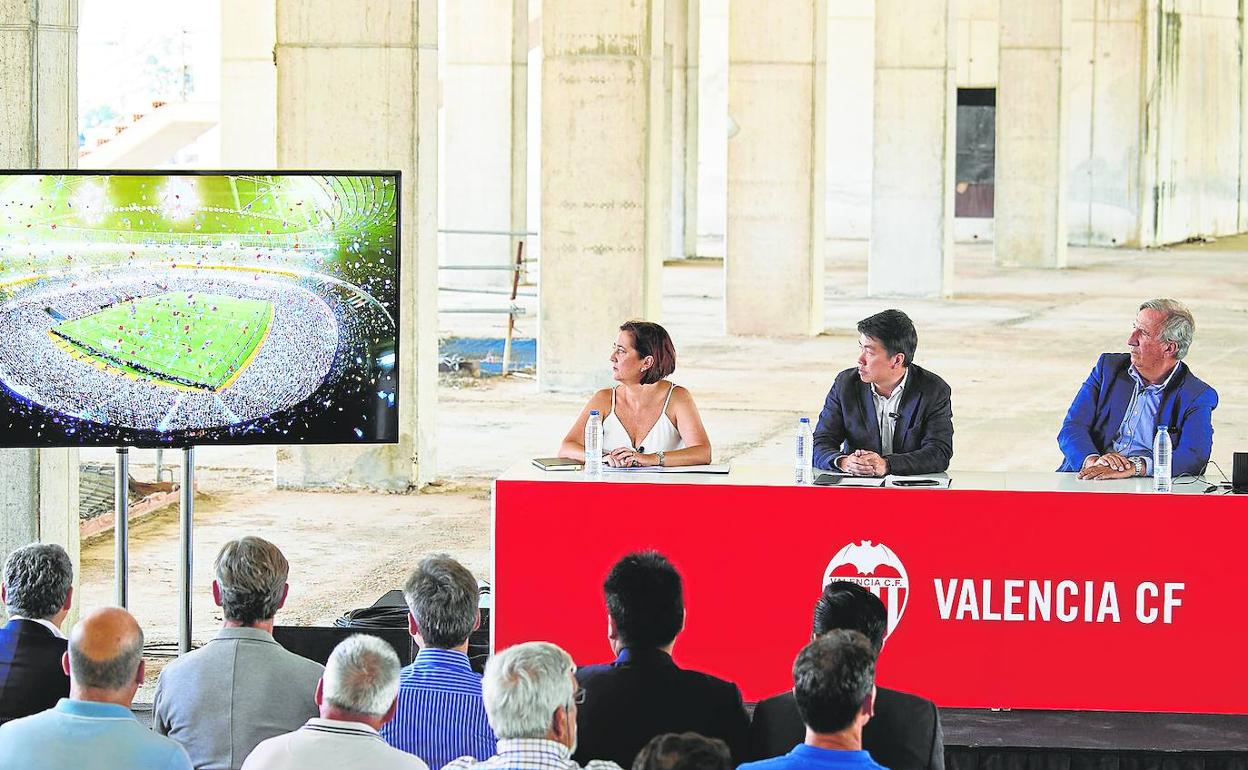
{"x":317,"y":642}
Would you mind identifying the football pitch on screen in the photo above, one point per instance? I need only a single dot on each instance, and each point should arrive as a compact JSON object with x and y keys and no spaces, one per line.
{"x":196,"y":340}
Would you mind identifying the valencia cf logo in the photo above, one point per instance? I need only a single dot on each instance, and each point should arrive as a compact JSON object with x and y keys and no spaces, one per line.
{"x":876,"y":568}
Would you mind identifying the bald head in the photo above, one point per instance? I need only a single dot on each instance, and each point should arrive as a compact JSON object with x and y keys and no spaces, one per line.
{"x":105,"y":650}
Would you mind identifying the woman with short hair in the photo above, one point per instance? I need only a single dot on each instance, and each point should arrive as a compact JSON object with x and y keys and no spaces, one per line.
{"x":647,"y":420}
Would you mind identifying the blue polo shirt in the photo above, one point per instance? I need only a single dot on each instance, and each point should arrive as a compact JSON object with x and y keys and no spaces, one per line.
{"x":804,"y":757}
{"x":86,"y":735}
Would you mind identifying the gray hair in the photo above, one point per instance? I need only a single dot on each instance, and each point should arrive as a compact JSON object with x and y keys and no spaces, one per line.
{"x":522,"y":687}
{"x":110,"y":674}
{"x":442,"y":596}
{"x":37,"y":578}
{"x":362,"y":676}
{"x":252,"y":575}
{"x":1179,"y":326}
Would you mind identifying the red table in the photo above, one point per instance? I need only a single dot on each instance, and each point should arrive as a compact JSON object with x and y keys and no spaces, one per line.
{"x":1006,"y":590}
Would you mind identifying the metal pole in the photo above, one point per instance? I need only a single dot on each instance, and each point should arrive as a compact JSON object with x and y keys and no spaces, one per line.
{"x":184,"y":564}
{"x":511,"y":318}
{"x":121,"y":526}
{"x":160,"y":463}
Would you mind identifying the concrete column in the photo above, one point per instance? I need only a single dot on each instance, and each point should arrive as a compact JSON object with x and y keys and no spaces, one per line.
{"x":911,"y":253}
{"x":605,"y":181}
{"x":684,"y":17}
{"x":1032,"y":113}
{"x":39,"y":129}
{"x":773,"y":270}
{"x":479,"y":184}
{"x":357,"y":88}
{"x":248,"y":84}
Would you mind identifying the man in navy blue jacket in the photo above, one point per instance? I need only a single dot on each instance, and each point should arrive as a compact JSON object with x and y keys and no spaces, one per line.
{"x":1109,"y":429}
{"x":885,"y":415}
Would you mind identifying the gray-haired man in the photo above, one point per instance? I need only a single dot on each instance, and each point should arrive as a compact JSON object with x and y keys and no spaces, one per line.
{"x":531,"y":695}
{"x":36,"y":591}
{"x":221,"y":700}
{"x":1109,"y":428}
{"x":356,"y":697}
{"x":440,"y":713}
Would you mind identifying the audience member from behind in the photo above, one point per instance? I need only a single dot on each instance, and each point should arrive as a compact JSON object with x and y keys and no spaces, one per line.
{"x":94,"y":729}
{"x":356,"y":697}
{"x":440,"y":713}
{"x":904,"y":734}
{"x":646,"y":419}
{"x":531,"y":696}
{"x":644,"y":693}
{"x":242,"y":687}
{"x":36,"y":591}
{"x":834,"y":685}
{"x":686,"y":751}
{"x":1109,"y":429}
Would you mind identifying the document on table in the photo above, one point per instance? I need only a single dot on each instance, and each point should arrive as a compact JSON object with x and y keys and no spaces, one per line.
{"x":860,"y":481}
{"x":720,"y":468}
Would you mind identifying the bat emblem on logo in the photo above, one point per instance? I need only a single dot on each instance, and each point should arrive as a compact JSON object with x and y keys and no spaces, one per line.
{"x":875,"y":567}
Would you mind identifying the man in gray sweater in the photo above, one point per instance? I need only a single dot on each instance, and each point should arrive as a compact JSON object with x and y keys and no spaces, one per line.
{"x":241,"y":688}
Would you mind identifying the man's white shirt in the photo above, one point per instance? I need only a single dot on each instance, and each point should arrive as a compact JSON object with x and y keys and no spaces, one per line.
{"x":885,"y":409}
{"x":330,"y":744}
{"x":45,"y":623}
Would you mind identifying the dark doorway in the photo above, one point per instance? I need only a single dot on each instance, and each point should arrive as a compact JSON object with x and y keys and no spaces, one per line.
{"x":977,"y":150}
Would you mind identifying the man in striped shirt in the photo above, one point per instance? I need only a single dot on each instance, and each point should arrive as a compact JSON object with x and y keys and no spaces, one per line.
{"x":440,"y":713}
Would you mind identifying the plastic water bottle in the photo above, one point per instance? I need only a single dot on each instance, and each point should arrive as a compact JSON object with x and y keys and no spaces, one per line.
{"x":593,"y":446}
{"x":1161,"y":460}
{"x":803,"y":468}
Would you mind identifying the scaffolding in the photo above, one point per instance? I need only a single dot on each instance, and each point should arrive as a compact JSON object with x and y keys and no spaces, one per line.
{"x":516,"y":268}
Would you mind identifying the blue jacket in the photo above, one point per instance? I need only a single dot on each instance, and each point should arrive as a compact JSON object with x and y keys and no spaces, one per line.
{"x":1094,"y":417}
{"x":922,"y":440}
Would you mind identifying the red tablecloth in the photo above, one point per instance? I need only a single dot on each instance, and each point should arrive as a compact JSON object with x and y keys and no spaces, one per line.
{"x":1000,"y":599}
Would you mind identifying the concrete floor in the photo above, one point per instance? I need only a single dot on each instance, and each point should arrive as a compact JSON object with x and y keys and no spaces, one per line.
{"x":1013,"y":344}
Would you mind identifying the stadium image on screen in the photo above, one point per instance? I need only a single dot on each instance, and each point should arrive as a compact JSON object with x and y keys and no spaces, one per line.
{"x":143,"y":309}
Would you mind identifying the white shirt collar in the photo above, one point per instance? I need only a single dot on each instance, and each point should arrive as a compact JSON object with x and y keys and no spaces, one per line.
{"x":45,"y":623}
{"x":896,"y":394}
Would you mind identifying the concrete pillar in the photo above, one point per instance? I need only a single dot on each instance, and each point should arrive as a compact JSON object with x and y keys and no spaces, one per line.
{"x":606,"y":187}
{"x":1032,"y":113}
{"x":684,"y":17}
{"x":911,"y":253}
{"x":357,"y":88}
{"x":773,"y":270}
{"x":39,"y":129}
{"x":479,"y":184}
{"x":248,"y":84}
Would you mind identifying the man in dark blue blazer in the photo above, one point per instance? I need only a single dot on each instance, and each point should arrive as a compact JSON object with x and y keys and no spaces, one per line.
{"x":36,"y":591}
{"x":887,"y":414}
{"x":1109,"y":429}
{"x":644,"y":693}
{"x":904,"y":734}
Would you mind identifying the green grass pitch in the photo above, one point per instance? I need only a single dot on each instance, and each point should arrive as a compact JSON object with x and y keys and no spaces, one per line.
{"x":198,"y":340}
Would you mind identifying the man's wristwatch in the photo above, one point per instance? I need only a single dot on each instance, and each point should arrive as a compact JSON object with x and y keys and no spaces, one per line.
{"x":1138,"y":463}
{"x":660,"y":454}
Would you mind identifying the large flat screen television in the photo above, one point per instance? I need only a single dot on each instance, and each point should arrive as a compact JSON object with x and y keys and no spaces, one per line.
{"x":177,"y":309}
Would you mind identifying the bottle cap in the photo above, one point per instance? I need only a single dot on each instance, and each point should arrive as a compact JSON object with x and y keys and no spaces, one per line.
{"x":804,"y":419}
{"x":593,"y":412}
{"x":1161,"y":428}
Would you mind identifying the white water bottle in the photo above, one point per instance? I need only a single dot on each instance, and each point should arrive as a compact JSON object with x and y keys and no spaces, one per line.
{"x":593,"y":446}
{"x":803,"y":468}
{"x":1161,"y":460}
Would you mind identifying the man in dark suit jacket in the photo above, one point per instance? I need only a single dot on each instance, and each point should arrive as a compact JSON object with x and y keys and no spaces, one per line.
{"x":644,"y":693}
{"x":887,"y":414}
{"x":904,"y":733}
{"x":36,"y":592}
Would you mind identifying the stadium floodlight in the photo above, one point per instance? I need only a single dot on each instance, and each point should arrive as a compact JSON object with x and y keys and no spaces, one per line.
{"x":90,"y":201}
{"x":178,"y":199}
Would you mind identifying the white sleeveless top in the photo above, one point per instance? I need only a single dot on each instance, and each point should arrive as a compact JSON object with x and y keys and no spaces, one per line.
{"x":662,"y":437}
